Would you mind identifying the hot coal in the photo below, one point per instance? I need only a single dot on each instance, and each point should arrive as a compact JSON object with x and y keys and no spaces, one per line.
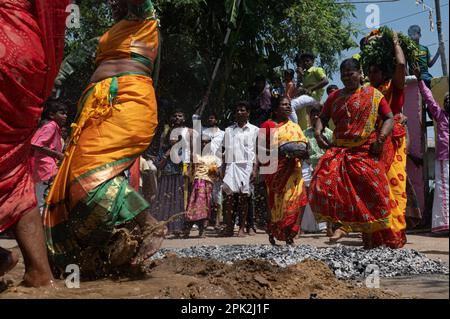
{"x":346,"y":262}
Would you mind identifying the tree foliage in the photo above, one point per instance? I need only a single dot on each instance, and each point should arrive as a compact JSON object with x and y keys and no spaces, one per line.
{"x":266,"y":35}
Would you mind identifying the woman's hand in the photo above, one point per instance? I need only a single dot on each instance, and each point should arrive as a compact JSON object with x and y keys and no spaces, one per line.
{"x":403,"y":119}
{"x":322,"y":141}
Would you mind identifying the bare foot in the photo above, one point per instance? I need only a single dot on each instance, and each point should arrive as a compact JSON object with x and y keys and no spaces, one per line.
{"x":30,"y":237}
{"x":8,"y":260}
{"x":338,"y":234}
{"x":241,"y":232}
{"x":329,"y":232}
{"x":36,"y":279}
{"x":150,"y":245}
{"x":251,"y":232}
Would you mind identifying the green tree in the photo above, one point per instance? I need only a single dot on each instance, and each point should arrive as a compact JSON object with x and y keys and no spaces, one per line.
{"x":266,"y":35}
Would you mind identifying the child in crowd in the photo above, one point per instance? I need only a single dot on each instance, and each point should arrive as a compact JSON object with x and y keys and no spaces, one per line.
{"x":315,"y":152}
{"x":206,"y":172}
{"x":290,"y":90}
{"x":277,"y":87}
{"x":313,"y":79}
{"x":47,"y":148}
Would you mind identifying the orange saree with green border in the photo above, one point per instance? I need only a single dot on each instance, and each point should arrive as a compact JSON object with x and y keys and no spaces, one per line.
{"x":115,"y":124}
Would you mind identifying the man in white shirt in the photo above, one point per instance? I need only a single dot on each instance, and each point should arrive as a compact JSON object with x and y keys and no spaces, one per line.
{"x":240,"y":162}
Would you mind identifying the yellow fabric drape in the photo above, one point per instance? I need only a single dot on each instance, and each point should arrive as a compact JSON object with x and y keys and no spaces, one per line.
{"x":105,"y":140}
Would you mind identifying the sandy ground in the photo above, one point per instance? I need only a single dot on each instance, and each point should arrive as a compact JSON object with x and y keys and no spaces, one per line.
{"x":193,"y":278}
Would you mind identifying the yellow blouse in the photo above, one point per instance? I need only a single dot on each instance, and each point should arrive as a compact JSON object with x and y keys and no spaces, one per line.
{"x":133,"y":39}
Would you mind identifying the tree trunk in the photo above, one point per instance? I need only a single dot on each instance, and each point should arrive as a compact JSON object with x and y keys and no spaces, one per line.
{"x":228,"y":68}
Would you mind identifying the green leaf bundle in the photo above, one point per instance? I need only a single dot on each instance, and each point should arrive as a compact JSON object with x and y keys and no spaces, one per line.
{"x":379,"y":50}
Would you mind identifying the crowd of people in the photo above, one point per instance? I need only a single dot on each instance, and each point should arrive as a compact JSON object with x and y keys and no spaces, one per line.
{"x":285,"y":163}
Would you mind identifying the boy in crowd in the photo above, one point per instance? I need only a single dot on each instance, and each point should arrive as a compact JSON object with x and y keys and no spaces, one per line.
{"x":47,"y":146}
{"x":314,"y":79}
{"x":424,"y":56}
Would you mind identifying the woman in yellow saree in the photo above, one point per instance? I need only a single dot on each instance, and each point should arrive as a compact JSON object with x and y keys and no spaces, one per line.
{"x":392,"y":86}
{"x":286,"y":191}
{"x":93,"y":218}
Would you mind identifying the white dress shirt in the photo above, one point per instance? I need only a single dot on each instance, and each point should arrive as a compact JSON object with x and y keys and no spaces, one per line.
{"x":240,"y":155}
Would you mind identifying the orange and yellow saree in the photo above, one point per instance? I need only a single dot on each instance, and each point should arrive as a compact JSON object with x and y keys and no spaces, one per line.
{"x":396,"y":172}
{"x":116,"y":121}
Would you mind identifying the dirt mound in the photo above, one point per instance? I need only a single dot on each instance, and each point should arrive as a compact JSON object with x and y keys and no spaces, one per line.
{"x":257,"y":279}
{"x":194,"y":278}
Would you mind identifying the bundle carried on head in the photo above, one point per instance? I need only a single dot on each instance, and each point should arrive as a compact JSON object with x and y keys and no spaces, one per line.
{"x":378,"y":49}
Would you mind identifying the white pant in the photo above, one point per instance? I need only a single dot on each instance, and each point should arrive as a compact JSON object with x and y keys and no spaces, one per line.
{"x":309,"y":223}
{"x":441,"y":195}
